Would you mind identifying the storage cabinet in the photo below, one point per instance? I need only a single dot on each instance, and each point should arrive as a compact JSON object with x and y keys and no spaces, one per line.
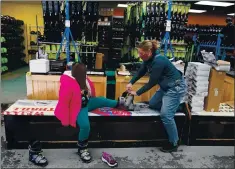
{"x":46,"y":87}
{"x":228,"y":89}
{"x":122,"y":81}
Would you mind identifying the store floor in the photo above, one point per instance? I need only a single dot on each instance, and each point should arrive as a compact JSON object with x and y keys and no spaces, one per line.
{"x":187,"y":157}
{"x":14,"y":85}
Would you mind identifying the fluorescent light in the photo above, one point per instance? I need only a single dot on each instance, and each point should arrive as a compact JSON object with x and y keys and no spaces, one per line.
{"x":122,"y":5}
{"x":212,"y":3}
{"x":196,"y":11}
{"x":231,"y":14}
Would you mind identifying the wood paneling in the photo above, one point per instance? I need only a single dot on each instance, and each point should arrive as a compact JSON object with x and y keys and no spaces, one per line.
{"x":122,"y":81}
{"x":228,"y":89}
{"x":46,"y":87}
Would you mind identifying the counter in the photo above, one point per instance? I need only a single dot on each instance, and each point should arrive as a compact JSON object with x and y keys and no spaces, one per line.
{"x":46,"y":87}
{"x":122,"y":81}
{"x":228,"y":89}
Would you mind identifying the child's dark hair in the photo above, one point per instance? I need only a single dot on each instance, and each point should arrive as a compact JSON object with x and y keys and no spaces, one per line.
{"x":79,"y":73}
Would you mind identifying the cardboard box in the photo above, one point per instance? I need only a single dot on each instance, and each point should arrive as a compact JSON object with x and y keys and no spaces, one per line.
{"x":216,"y":79}
{"x":212,"y":101}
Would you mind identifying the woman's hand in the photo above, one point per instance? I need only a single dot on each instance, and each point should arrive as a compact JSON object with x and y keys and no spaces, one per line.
{"x":129,"y":87}
{"x":132,"y":93}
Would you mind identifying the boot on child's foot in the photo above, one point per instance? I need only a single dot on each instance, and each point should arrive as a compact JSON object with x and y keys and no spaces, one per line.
{"x":83,"y":151}
{"x":35,"y":154}
{"x":125,"y":102}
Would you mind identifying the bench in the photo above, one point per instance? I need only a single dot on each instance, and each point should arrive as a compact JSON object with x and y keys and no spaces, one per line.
{"x":212,"y":129}
{"x":110,"y":127}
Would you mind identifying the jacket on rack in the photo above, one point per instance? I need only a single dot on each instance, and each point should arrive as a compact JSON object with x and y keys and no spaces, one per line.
{"x":69,"y":102}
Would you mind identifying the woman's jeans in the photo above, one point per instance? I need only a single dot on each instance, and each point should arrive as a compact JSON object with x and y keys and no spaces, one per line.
{"x":83,"y":119}
{"x":167,"y":103}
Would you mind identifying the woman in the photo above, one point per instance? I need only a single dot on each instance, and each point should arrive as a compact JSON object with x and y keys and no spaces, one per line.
{"x":172,"y":88}
{"x":76,"y":99}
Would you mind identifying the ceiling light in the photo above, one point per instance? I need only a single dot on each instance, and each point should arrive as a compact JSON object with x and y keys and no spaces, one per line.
{"x":231,"y":14}
{"x":212,"y":3}
{"x":196,"y":11}
{"x":122,"y":5}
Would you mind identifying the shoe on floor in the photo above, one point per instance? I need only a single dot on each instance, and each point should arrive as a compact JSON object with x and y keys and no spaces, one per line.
{"x":35,"y":154}
{"x":109,"y":160}
{"x":83,"y":151}
{"x":169,"y":147}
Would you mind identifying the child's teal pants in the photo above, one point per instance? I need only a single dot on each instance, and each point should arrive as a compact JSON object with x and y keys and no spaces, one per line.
{"x":83,"y":119}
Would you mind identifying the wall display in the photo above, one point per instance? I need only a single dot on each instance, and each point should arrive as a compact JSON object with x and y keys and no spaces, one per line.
{"x":83,"y":20}
{"x":147,"y":21}
{"x":12,"y":38}
{"x":213,"y":38}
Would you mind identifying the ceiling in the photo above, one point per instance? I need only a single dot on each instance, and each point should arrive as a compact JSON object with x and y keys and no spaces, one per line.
{"x":210,"y":9}
{"x":214,"y":10}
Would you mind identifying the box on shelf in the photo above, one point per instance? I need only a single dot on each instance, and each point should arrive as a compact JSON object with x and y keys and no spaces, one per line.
{"x":216,"y":80}
{"x":212,"y":101}
{"x":39,"y":66}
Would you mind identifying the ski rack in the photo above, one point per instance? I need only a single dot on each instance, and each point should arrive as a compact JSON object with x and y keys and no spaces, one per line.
{"x":217,"y":47}
{"x":66,"y":35}
{"x":166,"y":40}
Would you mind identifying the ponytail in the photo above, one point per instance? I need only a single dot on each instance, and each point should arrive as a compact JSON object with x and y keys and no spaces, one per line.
{"x":154,"y":45}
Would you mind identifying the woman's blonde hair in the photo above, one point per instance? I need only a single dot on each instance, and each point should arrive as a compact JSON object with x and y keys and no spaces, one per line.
{"x":147,"y":45}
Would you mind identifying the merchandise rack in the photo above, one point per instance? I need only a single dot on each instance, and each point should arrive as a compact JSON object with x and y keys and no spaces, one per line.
{"x":4,"y":59}
{"x":13,"y":30}
{"x":217,"y":47}
{"x":166,"y":26}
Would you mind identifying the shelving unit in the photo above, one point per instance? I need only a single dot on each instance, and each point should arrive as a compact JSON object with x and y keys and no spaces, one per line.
{"x":115,"y":54}
{"x":13,"y":51}
{"x":156,"y":20}
{"x":4,"y":55}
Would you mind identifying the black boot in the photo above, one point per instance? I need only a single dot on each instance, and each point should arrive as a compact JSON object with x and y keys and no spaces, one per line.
{"x":35,"y":154}
{"x":83,"y":151}
{"x":169,"y":147}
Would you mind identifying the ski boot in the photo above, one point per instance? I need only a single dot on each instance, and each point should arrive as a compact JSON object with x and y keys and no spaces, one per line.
{"x":35,"y":154}
{"x":83,"y":151}
{"x":126,"y":102}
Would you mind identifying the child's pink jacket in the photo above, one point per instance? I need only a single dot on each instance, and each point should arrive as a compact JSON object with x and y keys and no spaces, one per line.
{"x":69,"y":103}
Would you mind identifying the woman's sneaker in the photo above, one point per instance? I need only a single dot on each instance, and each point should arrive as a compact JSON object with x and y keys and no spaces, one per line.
{"x":109,"y":160}
{"x":83,"y":152}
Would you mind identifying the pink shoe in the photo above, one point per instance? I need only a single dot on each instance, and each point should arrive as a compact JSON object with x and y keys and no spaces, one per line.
{"x":109,"y":160}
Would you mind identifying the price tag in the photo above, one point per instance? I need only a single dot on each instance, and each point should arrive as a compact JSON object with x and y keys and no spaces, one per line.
{"x":67,"y":23}
{"x":168,"y":23}
{"x":216,"y":92}
{"x":168,"y":28}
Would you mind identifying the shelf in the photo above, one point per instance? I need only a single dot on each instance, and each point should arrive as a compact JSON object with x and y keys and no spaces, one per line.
{"x":209,"y":46}
{"x":118,"y":29}
{"x":228,"y":48}
{"x":118,"y":17}
{"x":118,"y":38}
{"x":76,"y":44}
{"x":103,"y":23}
{"x":103,"y":48}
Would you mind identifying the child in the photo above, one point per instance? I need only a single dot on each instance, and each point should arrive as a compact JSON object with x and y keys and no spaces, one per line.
{"x":76,"y":99}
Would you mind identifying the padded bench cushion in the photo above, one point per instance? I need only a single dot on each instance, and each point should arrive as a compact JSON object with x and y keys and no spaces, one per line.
{"x":47,"y":107}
